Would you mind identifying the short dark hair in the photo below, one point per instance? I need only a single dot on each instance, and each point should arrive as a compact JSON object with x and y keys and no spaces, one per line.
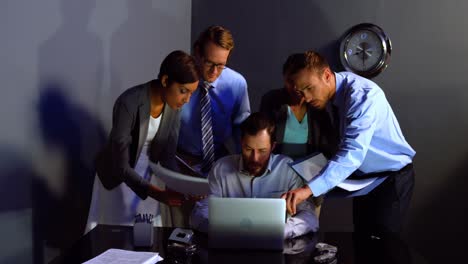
{"x":216,"y":34}
{"x":179,"y":67}
{"x":309,"y":59}
{"x":257,"y":122}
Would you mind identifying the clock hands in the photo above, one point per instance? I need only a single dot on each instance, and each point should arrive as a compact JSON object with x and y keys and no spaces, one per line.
{"x":363,"y":51}
{"x":363,"y":58}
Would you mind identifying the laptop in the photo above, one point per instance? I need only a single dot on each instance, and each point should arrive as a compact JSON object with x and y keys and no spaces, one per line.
{"x":247,"y":223}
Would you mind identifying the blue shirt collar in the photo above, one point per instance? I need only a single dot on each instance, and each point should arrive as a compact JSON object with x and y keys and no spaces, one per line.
{"x":215,"y":83}
{"x":339,"y":80}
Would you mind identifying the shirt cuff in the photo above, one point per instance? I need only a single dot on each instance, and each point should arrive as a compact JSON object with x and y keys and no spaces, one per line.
{"x":288,"y":231}
{"x":318,"y":186}
{"x":199,"y":216}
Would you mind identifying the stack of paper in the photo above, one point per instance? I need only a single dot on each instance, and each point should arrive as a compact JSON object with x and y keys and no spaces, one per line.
{"x":119,"y":256}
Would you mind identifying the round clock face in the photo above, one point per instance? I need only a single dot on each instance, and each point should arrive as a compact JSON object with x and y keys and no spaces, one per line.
{"x":365,"y":50}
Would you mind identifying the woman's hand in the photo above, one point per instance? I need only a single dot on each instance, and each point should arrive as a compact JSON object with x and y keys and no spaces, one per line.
{"x":196,"y":198}
{"x":173,"y":198}
{"x":169,"y":197}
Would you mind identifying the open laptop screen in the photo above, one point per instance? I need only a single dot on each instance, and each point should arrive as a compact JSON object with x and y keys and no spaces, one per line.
{"x":246,"y":223}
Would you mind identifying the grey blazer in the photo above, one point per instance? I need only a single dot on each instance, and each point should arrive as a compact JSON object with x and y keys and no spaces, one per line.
{"x":130,"y":121}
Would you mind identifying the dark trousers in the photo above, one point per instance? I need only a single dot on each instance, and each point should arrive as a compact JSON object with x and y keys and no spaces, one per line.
{"x":384,"y":208}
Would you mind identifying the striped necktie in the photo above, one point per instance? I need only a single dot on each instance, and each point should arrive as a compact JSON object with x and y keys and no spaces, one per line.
{"x":206,"y":128}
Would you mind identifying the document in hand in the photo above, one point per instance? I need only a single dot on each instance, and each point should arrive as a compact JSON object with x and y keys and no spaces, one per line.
{"x":311,"y":166}
{"x":179,"y":182}
{"x":119,"y":256}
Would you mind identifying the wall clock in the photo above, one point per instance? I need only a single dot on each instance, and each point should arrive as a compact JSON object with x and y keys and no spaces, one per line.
{"x":365,"y":49}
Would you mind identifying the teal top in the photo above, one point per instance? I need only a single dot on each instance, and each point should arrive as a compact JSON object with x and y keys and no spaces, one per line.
{"x":295,"y":135}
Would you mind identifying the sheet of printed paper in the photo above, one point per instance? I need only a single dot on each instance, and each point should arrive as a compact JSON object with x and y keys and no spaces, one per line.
{"x":119,"y":256}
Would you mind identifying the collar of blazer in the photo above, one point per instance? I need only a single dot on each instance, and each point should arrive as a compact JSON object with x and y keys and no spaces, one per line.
{"x":143,"y":119}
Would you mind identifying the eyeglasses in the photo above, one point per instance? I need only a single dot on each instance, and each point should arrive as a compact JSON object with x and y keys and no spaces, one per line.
{"x":211,"y":65}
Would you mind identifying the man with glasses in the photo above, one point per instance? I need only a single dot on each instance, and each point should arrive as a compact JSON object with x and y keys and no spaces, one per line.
{"x":209,"y":122}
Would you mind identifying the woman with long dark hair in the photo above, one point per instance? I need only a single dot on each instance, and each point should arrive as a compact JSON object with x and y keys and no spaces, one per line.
{"x":145,"y":127}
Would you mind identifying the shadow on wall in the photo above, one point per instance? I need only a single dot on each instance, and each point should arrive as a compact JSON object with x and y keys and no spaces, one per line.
{"x":70,"y":79}
{"x":136,"y":52}
{"x":16,"y":174}
{"x":71,"y":139}
{"x":73,"y":55}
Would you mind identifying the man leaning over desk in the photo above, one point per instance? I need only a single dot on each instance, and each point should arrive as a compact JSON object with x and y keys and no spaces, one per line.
{"x":371,"y":143}
{"x":256,"y":173}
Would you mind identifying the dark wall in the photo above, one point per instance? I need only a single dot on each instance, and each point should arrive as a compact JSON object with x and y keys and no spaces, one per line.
{"x":425,"y":84}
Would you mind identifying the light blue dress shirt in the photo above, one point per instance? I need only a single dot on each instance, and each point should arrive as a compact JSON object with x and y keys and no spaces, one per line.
{"x":227,"y":178}
{"x":230,"y":106}
{"x":371,"y":138}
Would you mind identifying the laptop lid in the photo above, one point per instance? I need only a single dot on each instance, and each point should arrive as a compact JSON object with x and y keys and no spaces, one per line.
{"x":248,"y":223}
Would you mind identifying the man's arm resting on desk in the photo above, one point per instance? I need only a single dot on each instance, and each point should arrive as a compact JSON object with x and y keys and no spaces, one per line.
{"x":303,"y":222}
{"x":295,"y":197}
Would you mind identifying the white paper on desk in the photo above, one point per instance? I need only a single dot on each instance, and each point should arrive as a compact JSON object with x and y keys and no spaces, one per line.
{"x":312,"y":166}
{"x":179,"y":182}
{"x":119,"y":256}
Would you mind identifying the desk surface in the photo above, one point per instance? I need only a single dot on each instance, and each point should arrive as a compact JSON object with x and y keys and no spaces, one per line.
{"x":352,"y":248}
